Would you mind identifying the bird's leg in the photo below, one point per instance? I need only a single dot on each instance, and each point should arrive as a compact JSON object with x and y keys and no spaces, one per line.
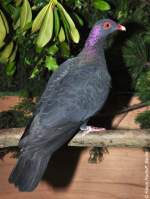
{"x":96,"y":153}
{"x":87,"y":129}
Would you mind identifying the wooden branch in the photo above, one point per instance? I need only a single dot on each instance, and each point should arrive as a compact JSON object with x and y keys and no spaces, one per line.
{"x":10,"y":137}
{"x":110,"y":138}
{"x":114,"y":138}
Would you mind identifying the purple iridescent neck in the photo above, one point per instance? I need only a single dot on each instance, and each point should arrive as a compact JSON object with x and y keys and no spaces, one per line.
{"x":94,"y":37}
{"x":93,"y":48}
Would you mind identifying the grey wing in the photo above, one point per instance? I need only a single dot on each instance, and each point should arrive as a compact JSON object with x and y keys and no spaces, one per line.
{"x":51,"y":132}
{"x":79,"y":94}
{"x":83,"y":92}
{"x":54,"y":82}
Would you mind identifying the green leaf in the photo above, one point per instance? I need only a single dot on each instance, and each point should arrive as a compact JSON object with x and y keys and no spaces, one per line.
{"x":73,"y":30}
{"x":25,"y":14}
{"x":61,"y":35}
{"x":46,"y":30}
{"x":143,"y":86}
{"x":10,"y":68}
{"x":34,"y":73}
{"x":144,"y":119}
{"x":64,"y":31}
{"x":65,"y":50}
{"x":38,"y":49}
{"x":81,"y":22}
{"x":27,"y":61}
{"x":50,"y":63}
{"x":37,"y":23}
{"x":52,"y":50}
{"x":56,"y":22}
{"x":101,"y":5}
{"x":15,"y":13}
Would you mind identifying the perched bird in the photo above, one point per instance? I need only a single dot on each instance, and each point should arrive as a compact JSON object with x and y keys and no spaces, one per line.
{"x":74,"y":93}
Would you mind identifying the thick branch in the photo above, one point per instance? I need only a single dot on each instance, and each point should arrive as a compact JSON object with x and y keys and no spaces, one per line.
{"x":110,"y":138}
{"x":10,"y":137}
{"x":114,"y":138}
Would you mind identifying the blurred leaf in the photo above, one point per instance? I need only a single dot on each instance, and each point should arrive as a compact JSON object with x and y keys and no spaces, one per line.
{"x":135,"y":54}
{"x":13,"y":118}
{"x":15,"y":13}
{"x":27,"y":26}
{"x":147,"y":39}
{"x":146,"y":36}
{"x":79,"y":19}
{"x":34,"y":73}
{"x":37,"y":23}
{"x":46,"y":30}
{"x":13,"y":55}
{"x":50,"y":63}
{"x":75,"y":35}
{"x":27,"y":61}
{"x":64,"y":31}
{"x":69,"y":22}
{"x":65,"y":50}
{"x":56,"y":22}
{"x":18,"y":2}
{"x":143,"y":86}
{"x":6,"y":52}
{"x":52,"y":50}
{"x":38,"y":49}
{"x":25,"y":14}
{"x":61,"y":35}
{"x":10,"y":68}
{"x":144,"y":119}
{"x":101,"y":5}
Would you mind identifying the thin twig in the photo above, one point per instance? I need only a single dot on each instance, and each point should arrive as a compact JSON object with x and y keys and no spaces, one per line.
{"x":124,"y":110}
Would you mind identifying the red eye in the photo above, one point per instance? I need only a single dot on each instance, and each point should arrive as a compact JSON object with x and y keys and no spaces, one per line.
{"x":106,"y":25}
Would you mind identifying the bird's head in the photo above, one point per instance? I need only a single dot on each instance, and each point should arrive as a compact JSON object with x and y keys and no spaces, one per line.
{"x":108,"y":26}
{"x":102,"y":29}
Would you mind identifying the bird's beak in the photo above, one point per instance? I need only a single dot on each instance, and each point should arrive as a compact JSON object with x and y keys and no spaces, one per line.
{"x":121,"y":27}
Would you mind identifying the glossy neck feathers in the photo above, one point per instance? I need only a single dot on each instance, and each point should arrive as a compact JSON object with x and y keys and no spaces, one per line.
{"x":94,"y":44}
{"x":95,"y":37}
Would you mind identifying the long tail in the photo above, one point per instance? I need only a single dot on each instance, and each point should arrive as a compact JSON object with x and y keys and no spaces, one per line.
{"x":29,"y":170}
{"x":35,"y":156}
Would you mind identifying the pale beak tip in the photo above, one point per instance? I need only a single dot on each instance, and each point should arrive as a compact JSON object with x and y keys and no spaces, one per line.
{"x":121,"y":27}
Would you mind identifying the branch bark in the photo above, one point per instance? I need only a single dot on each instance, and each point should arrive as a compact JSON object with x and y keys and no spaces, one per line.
{"x":110,"y":138}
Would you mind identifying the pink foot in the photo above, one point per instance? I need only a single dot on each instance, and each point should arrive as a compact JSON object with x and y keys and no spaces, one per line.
{"x":95,"y":129}
{"x":89,"y":129}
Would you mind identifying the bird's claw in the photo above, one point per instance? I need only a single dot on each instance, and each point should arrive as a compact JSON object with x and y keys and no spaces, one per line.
{"x":87,"y":129}
{"x":91,"y":129}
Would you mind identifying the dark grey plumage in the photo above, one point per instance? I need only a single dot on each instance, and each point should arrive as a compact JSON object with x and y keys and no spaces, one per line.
{"x":74,"y":93}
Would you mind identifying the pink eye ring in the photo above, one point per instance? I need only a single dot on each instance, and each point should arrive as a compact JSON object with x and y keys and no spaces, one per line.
{"x":106,"y":25}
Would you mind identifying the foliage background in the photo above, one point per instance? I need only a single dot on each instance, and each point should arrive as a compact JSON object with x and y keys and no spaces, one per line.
{"x":128,"y":54}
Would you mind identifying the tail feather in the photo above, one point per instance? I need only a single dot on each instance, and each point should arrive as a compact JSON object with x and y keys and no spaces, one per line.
{"x":29,"y":170}
{"x":35,"y":156}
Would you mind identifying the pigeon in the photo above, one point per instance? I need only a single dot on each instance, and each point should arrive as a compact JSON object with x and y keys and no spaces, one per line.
{"x":73,"y":94}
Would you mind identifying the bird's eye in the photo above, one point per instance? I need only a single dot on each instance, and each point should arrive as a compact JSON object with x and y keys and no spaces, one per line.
{"x":106,"y":25}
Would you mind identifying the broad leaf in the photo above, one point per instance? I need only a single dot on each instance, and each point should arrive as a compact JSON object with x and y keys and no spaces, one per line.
{"x":10,"y":68}
{"x":50,"y":63}
{"x":101,"y":5}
